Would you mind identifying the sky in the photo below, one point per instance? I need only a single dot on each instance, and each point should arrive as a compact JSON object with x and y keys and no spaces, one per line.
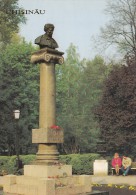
{"x":75,"y":21}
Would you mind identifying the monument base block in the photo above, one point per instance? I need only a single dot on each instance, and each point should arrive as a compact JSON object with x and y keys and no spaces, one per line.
{"x":100,"y":167}
{"x":47,"y":171}
{"x":46,"y":135}
{"x":47,"y":180}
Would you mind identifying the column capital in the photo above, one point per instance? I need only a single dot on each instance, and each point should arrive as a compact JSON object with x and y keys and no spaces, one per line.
{"x":47,"y":55}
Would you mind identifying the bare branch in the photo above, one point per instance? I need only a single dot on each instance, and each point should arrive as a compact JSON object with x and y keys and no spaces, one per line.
{"x":121,"y":29}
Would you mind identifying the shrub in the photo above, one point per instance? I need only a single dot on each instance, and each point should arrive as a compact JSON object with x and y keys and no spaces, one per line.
{"x":28,"y":159}
{"x":81,"y":163}
{"x":3,"y":163}
{"x":8,"y":163}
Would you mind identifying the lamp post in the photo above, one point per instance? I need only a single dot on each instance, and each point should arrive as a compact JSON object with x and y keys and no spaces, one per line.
{"x":16,"y":116}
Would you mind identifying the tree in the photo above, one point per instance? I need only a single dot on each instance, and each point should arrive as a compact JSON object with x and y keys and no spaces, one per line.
{"x":9,"y":21}
{"x":116,"y":112}
{"x":19,"y":88}
{"x":90,"y":91}
{"x":121,"y":28}
{"x":68,"y":81}
{"x":79,"y":86}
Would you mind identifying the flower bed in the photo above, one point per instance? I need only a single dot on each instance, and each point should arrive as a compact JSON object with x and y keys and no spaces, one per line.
{"x":116,"y":189}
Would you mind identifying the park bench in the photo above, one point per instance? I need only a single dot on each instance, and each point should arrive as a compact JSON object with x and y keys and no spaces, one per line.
{"x":133,"y":167}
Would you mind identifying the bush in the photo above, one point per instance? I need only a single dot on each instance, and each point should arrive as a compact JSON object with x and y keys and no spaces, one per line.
{"x":3,"y":164}
{"x":81,"y":163}
{"x":28,"y":159}
{"x":8,"y":163}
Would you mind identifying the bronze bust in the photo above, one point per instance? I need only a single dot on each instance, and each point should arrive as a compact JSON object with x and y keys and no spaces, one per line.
{"x":46,"y":40}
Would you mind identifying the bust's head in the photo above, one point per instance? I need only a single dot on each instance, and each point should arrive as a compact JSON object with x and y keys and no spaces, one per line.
{"x":46,"y":40}
{"x":49,"y":28}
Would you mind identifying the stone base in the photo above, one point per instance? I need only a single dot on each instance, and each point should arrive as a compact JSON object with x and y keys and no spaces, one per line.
{"x":100,"y":167}
{"x":47,"y":171}
{"x":47,"y":180}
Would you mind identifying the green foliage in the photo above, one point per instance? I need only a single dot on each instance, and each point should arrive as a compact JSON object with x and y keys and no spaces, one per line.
{"x":3,"y":163}
{"x":90,"y":91}
{"x":8,"y":164}
{"x":19,"y":89}
{"x":65,"y":159}
{"x":68,"y":81}
{"x":81,"y":163}
{"x":116,"y":112}
{"x":11,"y":166}
{"x":9,"y":21}
{"x":79,"y":86}
{"x":28,"y":159}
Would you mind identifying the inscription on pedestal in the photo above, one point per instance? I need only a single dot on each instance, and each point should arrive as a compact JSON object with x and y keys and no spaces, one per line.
{"x":47,"y":135}
{"x":55,"y":136}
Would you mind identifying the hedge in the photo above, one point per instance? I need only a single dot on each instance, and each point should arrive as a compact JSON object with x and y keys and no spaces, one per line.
{"x":8,"y":163}
{"x":81,"y":163}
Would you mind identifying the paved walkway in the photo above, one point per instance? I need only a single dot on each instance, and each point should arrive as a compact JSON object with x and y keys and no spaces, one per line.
{"x":128,"y":180}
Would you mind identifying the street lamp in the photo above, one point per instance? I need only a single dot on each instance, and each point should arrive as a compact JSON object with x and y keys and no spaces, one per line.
{"x":18,"y":160}
{"x":16,"y":116}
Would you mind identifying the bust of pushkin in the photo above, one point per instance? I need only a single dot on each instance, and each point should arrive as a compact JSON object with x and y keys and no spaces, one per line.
{"x":46,"y":40}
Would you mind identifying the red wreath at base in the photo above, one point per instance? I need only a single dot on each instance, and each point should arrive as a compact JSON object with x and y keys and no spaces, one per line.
{"x":55,"y":127}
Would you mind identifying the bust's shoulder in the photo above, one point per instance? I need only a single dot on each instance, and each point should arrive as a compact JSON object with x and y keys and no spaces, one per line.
{"x":37,"y":40}
{"x":45,"y":40}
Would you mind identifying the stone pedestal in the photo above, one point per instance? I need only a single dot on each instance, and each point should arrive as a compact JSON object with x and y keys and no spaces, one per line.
{"x":100,"y":167}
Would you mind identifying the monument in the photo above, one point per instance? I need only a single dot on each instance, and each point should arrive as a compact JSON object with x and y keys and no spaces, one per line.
{"x":46,"y":176}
